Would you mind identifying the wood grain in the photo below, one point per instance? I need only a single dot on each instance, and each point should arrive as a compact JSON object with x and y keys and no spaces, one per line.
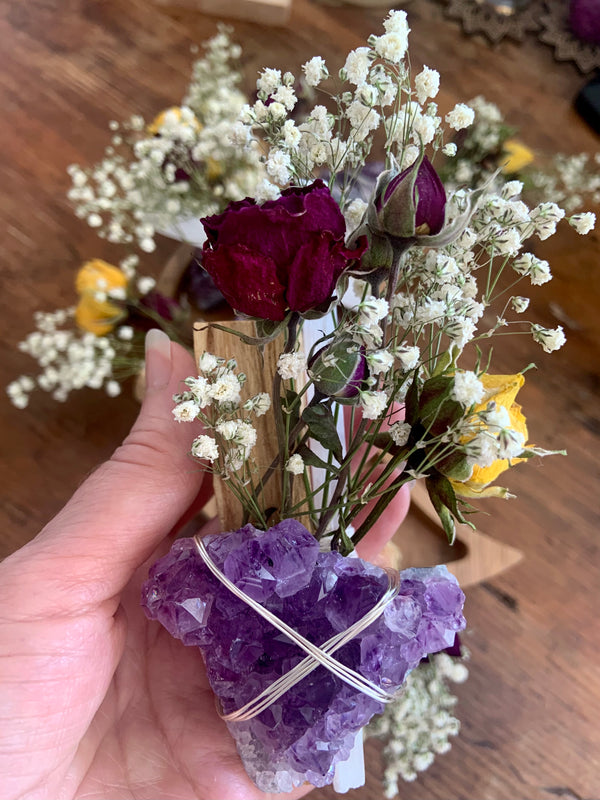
{"x":531,"y":707}
{"x":259,"y":370}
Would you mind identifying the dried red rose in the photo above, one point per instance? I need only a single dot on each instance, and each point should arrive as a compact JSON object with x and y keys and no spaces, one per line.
{"x":283,"y":256}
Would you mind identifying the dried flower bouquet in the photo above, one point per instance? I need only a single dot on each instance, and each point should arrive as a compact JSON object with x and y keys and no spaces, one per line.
{"x":378,"y":312}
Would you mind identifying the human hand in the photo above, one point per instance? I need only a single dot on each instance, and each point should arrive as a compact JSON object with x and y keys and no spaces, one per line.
{"x":98,"y":702}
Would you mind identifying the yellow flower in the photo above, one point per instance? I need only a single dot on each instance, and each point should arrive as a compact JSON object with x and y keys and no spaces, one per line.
{"x":94,"y":313}
{"x":214,"y":169}
{"x":502,"y":389}
{"x":517,"y":155}
{"x":159,"y":121}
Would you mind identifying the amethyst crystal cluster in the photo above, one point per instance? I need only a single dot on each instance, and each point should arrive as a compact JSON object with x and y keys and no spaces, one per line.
{"x":312,"y":726}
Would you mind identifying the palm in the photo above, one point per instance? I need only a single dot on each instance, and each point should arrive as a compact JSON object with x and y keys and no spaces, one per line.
{"x":163,"y":736}
{"x":96,"y":701}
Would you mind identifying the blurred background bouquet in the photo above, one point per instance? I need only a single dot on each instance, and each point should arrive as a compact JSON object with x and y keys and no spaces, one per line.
{"x":158,"y":176}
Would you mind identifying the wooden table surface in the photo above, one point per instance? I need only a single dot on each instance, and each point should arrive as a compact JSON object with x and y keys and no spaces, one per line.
{"x":530,"y":711}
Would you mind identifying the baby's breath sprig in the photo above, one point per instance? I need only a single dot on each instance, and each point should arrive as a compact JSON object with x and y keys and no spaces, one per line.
{"x":183,"y":165}
{"x":419,"y":725}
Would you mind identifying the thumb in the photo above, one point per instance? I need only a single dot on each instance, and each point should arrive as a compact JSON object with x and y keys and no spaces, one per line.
{"x":119,"y":515}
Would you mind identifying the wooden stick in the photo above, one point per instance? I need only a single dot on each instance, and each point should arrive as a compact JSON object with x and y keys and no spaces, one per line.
{"x":259,"y":373}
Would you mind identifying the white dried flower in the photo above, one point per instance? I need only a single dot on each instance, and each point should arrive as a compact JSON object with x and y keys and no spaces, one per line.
{"x":510,"y":443}
{"x":408,"y":357}
{"x":226,"y":389}
{"x":113,"y":389}
{"x":278,"y":166}
{"x":287,"y":97}
{"x":266,"y":191}
{"x":208,"y":363}
{"x":245,"y":435}
{"x":362,"y":119}
{"x":315,"y":71}
{"x":512,"y":189}
{"x":373,"y":309}
{"x":460,"y":117}
{"x":295,"y":464}
{"x":186,"y":411}
{"x":145,"y":284}
{"x":482,"y":450}
{"x":519,"y":304}
{"x":550,"y":339}
{"x":125,"y":333}
{"x":379,"y":361}
{"x":392,"y":46}
{"x":396,"y":22}
{"x":291,"y":366}
{"x":205,"y":447}
{"x":357,"y":65}
{"x":400,"y":431}
{"x":467,"y":389}
{"x":427,"y":84}
{"x":261,"y":403}
{"x":535,"y":268}
{"x":545,"y":217}
{"x":227,"y":429}
{"x":291,"y":134}
{"x":373,"y":404}
{"x":269,"y":81}
{"x":200,"y":389}
{"x":354,"y":214}
{"x":449,"y":150}
{"x":583,"y":223}
{"x":94,"y":220}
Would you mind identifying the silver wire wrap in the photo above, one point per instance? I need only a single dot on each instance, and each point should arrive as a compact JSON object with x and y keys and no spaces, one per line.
{"x":316,"y":655}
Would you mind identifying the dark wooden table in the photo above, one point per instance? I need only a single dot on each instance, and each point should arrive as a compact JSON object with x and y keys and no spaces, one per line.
{"x":531,"y":708}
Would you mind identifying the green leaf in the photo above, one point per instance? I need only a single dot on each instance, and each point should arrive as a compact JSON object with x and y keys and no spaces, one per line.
{"x":446,"y":360}
{"x":437,"y":411}
{"x":313,"y":460}
{"x":411,"y":403}
{"x":267,"y":329}
{"x":447,"y":521}
{"x":455,"y":466}
{"x":321,"y":426}
{"x":444,"y":501}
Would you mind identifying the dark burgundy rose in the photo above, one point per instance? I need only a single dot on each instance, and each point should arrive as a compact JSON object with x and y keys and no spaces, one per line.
{"x":285,"y":255}
{"x":401,"y":216}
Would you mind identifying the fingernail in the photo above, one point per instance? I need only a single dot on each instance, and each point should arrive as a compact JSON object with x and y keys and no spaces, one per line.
{"x":158,"y":359}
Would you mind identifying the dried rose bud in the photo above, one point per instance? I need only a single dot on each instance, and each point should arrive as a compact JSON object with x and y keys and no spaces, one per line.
{"x":339,"y":369}
{"x":409,"y":203}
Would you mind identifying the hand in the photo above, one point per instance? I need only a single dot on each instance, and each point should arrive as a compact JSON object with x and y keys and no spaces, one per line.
{"x":96,"y":701}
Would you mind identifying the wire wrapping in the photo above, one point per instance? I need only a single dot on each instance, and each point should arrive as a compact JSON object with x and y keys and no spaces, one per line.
{"x":316,"y":655}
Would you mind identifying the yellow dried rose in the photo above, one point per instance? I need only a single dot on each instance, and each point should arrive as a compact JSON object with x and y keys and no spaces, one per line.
{"x":502,"y":389}
{"x":214,"y":169}
{"x":517,"y":156}
{"x":95,"y":313}
{"x":160,"y":119}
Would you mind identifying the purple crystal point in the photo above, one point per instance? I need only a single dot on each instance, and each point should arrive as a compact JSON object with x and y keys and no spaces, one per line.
{"x":310,"y":728}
